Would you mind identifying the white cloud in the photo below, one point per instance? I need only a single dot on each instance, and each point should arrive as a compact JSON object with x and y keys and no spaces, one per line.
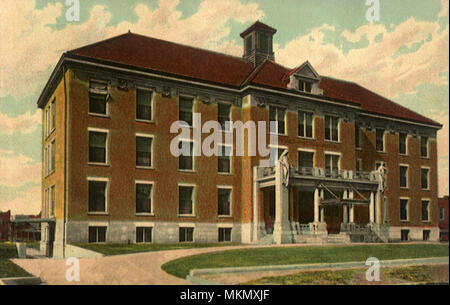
{"x":25,"y":123}
{"x":17,"y":170}
{"x":29,"y":202}
{"x":379,"y":66}
{"x":31,"y":47}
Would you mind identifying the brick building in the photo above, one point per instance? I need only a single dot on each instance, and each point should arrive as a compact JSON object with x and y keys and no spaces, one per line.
{"x":109,"y":175}
{"x":443,"y":218}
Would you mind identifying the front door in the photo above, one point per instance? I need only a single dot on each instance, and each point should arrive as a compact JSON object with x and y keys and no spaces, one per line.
{"x":333,"y":219}
{"x":269,"y":209}
{"x":51,"y":239}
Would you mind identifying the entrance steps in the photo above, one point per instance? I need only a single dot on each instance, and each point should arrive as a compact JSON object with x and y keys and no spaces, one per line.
{"x":340,"y":238}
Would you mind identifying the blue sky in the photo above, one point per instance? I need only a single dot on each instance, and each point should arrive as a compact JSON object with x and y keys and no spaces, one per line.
{"x":403,"y":56}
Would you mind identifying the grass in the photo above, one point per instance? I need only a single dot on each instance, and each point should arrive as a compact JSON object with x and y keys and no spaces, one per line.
{"x":425,"y":274}
{"x":117,"y":249}
{"x":340,"y":277}
{"x":301,"y":255}
{"x":8,"y":268}
{"x":412,"y":274}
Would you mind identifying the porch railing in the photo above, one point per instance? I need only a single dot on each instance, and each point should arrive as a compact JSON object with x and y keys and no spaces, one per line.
{"x":321,"y":173}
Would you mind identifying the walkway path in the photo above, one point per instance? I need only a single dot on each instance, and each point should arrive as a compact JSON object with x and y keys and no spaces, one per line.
{"x":139,"y":268}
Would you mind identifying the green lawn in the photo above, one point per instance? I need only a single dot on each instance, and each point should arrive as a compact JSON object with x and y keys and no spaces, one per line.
{"x":117,"y":249}
{"x":391,"y":275}
{"x":302,"y":255}
{"x":8,"y":268}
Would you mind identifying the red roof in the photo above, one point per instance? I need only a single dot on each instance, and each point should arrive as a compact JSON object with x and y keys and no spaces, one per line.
{"x":185,"y":61}
{"x":258,"y":25}
{"x":168,"y":57}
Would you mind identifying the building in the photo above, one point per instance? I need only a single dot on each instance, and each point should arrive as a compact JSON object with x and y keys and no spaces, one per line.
{"x":109,"y":175}
{"x":443,"y":218}
{"x":25,"y":228}
{"x":4,"y":225}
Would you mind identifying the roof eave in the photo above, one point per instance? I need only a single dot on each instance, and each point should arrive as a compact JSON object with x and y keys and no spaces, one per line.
{"x":51,"y":83}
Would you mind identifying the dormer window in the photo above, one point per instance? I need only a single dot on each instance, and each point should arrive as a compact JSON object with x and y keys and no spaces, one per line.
{"x":304,"y":86}
{"x":304,"y":79}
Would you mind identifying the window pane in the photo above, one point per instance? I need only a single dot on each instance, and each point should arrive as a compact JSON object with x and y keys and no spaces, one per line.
{"x":327,"y":128}
{"x":424,"y":178}
{"x":402,"y":143}
{"x":305,"y":159}
{"x":186,"y":110}
{"x":403,"y":209}
{"x":224,"y":114}
{"x":185,"y":200}
{"x":186,"y":158}
{"x":92,"y":234}
{"x":148,"y":234}
{"x":301,"y":124}
{"x":403,"y":176}
{"x":224,"y":202}
{"x":143,"y":198}
{"x":101,"y":234}
{"x":309,"y":128}
{"x":143,"y":151}
{"x":97,"y":196}
{"x":423,"y":146}
{"x":139,"y":234}
{"x":335,"y":130}
{"x":143,"y":104}
{"x":263,"y":42}
{"x":424,"y":210}
{"x":97,"y":103}
{"x":308,"y":86}
{"x":97,"y":147}
{"x":380,"y":140}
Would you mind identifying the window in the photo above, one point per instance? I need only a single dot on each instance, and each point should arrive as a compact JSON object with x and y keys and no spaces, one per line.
{"x":186,"y":110}
{"x":185,"y":200}
{"x":186,"y":234}
{"x":402,"y":143}
{"x":358,"y":165}
{"x":45,"y":160}
{"x":404,"y":235}
{"x":424,"y":147}
{"x":224,"y":159}
{"x":144,"y":104}
{"x":263,"y":42}
{"x":305,"y":159}
{"x":404,"y":210}
{"x":275,"y":154}
{"x":358,"y":137}
{"x":424,"y":178}
{"x":403,"y":176}
{"x":426,"y":235}
{"x":144,"y":198}
{"x":331,"y":128}
{"x":97,"y":234}
{"x":97,"y":196}
{"x":379,"y":140}
{"x":249,"y":44}
{"x":441,"y":214}
{"x":98,"y":95}
{"x":277,"y":114}
{"x":45,"y":208}
{"x":305,"y":126}
{"x":331,"y":162}
{"x":144,"y":234}
{"x":144,"y":151}
{"x":224,"y":200}
{"x":224,"y":115}
{"x":53,"y":109}
{"x":425,"y":210}
{"x":52,"y":158}
{"x":224,"y":234}
{"x":304,"y":86}
{"x":185,"y":160}
{"x":97,"y":146}
{"x":52,"y":201}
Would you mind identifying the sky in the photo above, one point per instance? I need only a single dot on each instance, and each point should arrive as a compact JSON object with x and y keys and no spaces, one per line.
{"x":403,"y":55}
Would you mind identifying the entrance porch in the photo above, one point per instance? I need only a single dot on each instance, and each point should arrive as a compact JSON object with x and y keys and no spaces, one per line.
{"x":308,"y":205}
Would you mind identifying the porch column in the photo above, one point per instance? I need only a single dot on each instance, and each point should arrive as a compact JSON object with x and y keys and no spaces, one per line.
{"x":352,"y":208}
{"x":345,"y":208}
{"x":371,"y":208}
{"x":322,"y":209}
{"x":316,"y":205}
{"x":255,"y":205}
{"x":282,"y":229}
{"x":378,"y":199}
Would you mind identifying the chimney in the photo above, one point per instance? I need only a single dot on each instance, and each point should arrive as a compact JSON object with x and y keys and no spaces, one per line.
{"x":258,"y":43}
